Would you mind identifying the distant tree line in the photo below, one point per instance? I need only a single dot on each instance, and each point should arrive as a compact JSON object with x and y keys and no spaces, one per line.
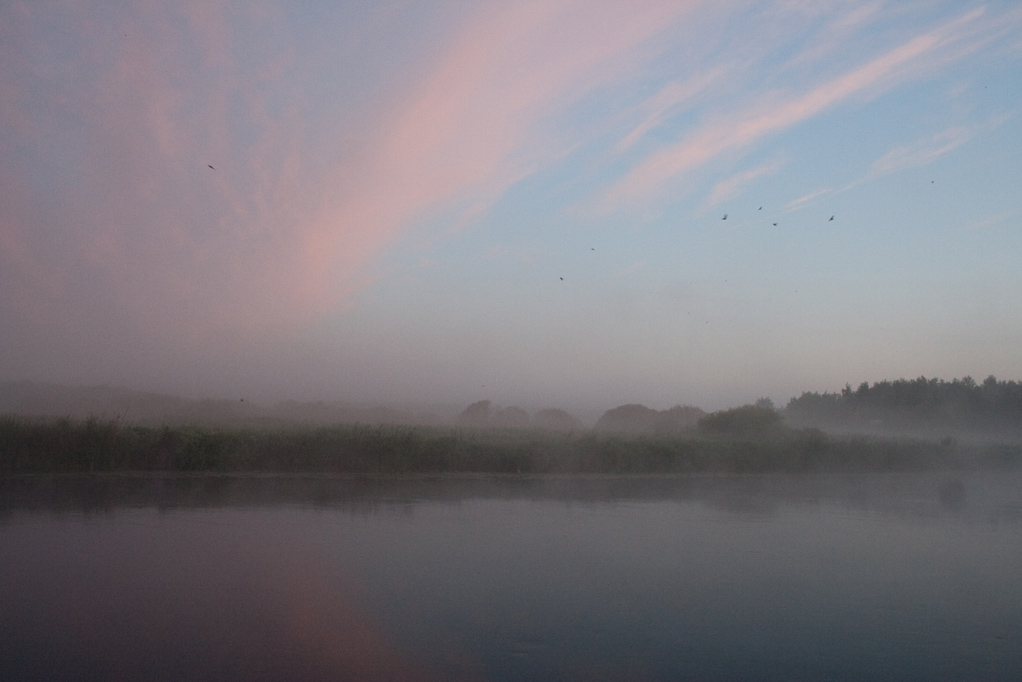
{"x":904,"y":404}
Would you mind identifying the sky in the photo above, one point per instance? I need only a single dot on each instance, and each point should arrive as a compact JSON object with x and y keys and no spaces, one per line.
{"x":560,"y":203}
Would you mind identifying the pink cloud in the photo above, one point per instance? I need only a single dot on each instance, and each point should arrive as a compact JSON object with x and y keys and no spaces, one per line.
{"x":139,"y":232}
{"x":466,"y":131}
{"x":130,"y":220}
{"x":773,"y":114}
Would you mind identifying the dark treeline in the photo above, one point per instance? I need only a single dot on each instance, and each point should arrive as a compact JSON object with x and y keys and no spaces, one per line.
{"x":922,"y":404}
{"x":743,"y":440}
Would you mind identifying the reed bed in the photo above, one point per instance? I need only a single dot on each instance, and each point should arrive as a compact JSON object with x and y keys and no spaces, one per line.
{"x":93,"y":445}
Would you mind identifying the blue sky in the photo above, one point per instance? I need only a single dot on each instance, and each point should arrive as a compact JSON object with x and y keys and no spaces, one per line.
{"x":399,"y":188}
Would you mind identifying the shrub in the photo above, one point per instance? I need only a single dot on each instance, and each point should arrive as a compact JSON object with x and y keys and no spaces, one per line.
{"x":748,"y":422}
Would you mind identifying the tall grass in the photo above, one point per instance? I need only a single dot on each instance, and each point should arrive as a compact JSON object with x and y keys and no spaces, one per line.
{"x":92,"y":445}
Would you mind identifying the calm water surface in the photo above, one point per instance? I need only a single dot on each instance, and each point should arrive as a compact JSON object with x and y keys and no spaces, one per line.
{"x":885,"y":577}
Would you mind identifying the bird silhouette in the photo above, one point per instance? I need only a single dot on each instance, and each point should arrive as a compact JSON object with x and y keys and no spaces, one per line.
{"x":831,"y":218}
{"x":725,"y":217}
{"x":211,"y":167}
{"x":562,"y":279}
{"x":760,"y":208}
{"x":775,"y":224}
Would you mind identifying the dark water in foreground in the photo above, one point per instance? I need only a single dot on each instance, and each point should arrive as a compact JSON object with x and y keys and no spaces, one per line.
{"x":886,"y":577}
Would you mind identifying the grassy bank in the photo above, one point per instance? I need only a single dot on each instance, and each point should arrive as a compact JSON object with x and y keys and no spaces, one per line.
{"x":69,"y":446}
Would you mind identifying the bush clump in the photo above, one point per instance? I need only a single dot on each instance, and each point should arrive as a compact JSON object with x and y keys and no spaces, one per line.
{"x":749,"y":422}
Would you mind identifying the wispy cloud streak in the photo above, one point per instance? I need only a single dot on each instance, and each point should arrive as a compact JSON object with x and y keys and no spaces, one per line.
{"x":921,"y":152}
{"x":666,"y":102}
{"x":775,"y":113}
{"x":803,"y":200}
{"x":730,"y":187}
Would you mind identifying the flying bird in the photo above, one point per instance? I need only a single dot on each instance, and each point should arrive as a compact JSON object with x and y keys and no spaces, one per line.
{"x":831,"y":218}
{"x":775,"y":224}
{"x":760,"y":208}
{"x":211,"y":167}
{"x":562,"y":279}
{"x":725,"y":217}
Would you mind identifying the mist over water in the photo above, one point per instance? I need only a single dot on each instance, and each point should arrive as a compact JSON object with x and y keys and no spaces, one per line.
{"x":865,"y":577}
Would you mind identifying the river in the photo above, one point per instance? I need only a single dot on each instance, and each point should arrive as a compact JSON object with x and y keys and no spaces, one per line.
{"x":865,"y":577}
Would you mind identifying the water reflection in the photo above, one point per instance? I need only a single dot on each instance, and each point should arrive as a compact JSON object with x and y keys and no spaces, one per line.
{"x":311,"y":578}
